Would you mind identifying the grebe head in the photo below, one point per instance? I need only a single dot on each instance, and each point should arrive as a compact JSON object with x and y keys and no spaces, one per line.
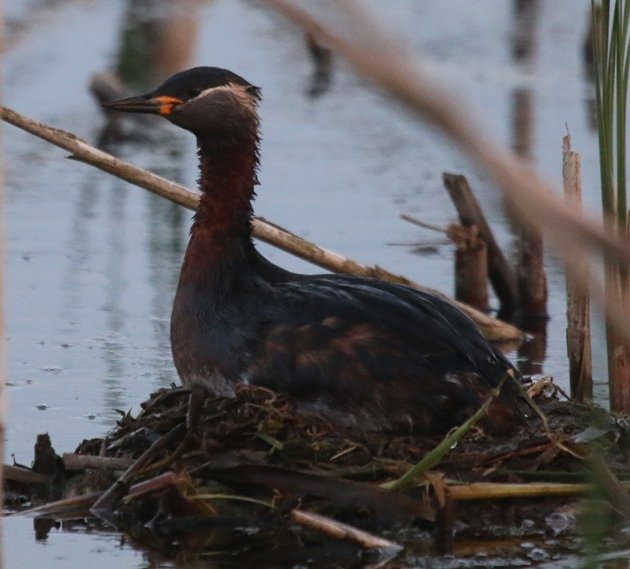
{"x":210,"y":102}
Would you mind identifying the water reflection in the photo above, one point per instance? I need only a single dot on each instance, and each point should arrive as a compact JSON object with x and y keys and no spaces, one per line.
{"x":526,"y":14}
{"x":165,"y":244}
{"x":322,"y":60}
{"x":115,"y":350}
{"x":530,"y":273}
{"x":78,"y":245}
{"x":158,"y":38}
{"x":523,"y":122}
{"x":80,"y":248}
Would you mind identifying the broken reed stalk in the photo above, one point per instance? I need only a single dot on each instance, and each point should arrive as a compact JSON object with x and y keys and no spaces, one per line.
{"x":167,"y":479}
{"x":103,"y":507}
{"x":493,"y":329}
{"x":22,"y":475}
{"x":578,"y":301}
{"x":82,"y":505}
{"x":79,"y":505}
{"x":434,"y":456}
{"x":499,"y":491}
{"x":470,"y":213}
{"x":338,"y":530}
{"x":471,"y":261}
{"x":78,"y":462}
{"x":471,"y":266}
{"x":384,"y":59}
{"x":616,"y":490}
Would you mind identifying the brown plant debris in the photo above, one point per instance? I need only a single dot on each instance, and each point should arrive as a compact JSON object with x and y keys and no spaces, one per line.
{"x":234,"y":483}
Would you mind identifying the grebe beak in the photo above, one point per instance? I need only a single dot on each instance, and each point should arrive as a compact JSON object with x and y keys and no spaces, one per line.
{"x":155,"y":105}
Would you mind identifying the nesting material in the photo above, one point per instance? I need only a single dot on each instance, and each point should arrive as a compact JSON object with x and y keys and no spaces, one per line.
{"x":256,"y":475}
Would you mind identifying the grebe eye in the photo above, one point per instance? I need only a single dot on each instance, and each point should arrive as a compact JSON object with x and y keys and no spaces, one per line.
{"x":193,"y":92}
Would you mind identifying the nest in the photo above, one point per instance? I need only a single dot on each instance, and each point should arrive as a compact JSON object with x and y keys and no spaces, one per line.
{"x":256,"y":477}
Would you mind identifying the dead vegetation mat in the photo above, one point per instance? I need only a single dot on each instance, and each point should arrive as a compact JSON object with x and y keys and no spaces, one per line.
{"x":236,"y":481}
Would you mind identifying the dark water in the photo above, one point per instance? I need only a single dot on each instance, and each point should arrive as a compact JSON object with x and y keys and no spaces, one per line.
{"x":92,"y":263}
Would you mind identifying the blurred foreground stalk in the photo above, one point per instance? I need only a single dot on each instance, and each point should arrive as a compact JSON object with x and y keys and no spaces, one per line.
{"x":610,"y":48}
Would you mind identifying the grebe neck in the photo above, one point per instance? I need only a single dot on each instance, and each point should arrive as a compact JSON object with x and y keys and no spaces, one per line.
{"x":227,"y":179}
{"x":220,"y":252}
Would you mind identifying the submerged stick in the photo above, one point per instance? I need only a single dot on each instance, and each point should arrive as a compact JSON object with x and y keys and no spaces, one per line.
{"x":338,"y":530}
{"x":270,"y":233}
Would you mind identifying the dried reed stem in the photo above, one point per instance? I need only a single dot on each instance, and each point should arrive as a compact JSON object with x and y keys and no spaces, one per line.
{"x":578,"y":301}
{"x":78,"y":462}
{"x":273,"y":234}
{"x":498,"y":491}
{"x":60,"y":508}
{"x":23,"y":475}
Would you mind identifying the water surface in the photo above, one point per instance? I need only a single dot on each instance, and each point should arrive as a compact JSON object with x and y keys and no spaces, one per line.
{"x":92,"y":263}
